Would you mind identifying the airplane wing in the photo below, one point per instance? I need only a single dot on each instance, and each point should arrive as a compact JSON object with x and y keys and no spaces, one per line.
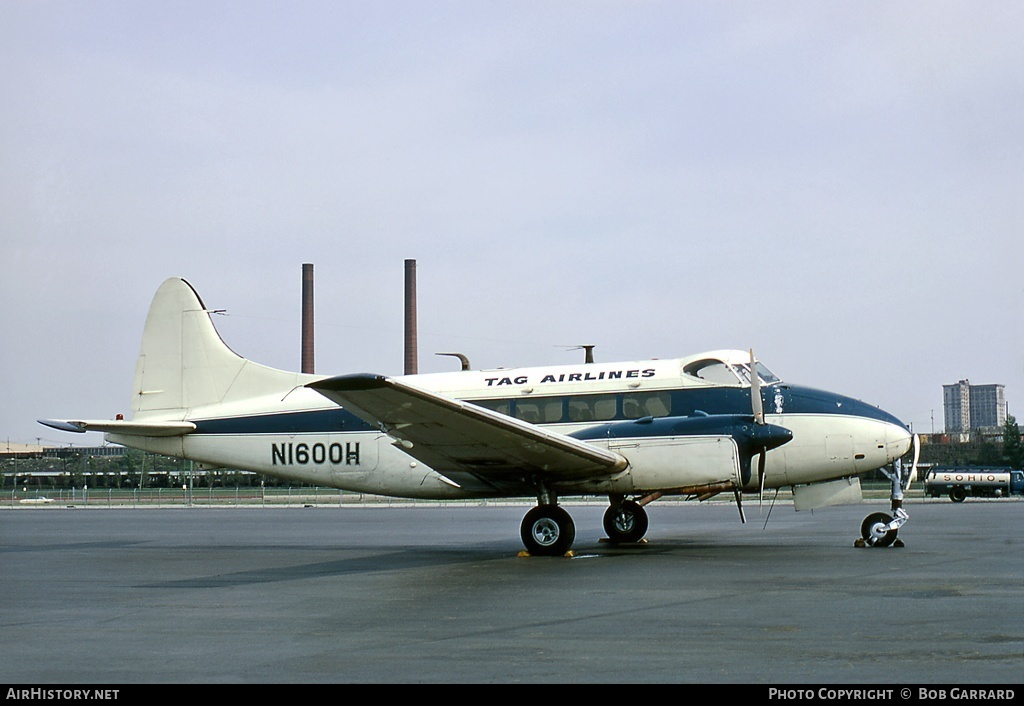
{"x":454,"y":436}
{"x":120,"y":426}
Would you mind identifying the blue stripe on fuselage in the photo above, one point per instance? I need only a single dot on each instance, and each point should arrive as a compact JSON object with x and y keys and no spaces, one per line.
{"x":312,"y":421}
{"x":778,"y":399}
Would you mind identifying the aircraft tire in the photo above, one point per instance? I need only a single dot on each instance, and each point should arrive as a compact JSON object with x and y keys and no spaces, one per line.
{"x":548,"y":530}
{"x":873,"y":536}
{"x":626,"y":524}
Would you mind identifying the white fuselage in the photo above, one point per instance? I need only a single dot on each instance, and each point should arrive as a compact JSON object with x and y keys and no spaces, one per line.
{"x":299,"y":435}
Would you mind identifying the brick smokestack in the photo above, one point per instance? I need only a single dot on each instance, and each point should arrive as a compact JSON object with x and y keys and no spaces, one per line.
{"x":307,"y":319}
{"x":411,"y":344}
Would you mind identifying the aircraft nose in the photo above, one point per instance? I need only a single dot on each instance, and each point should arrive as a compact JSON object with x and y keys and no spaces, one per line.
{"x":899,"y":440}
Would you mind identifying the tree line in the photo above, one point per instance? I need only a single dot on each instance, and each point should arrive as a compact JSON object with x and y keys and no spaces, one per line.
{"x":984,"y":451}
{"x":132,"y":469}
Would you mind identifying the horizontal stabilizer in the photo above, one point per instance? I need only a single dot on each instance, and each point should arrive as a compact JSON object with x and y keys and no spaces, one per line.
{"x":119,"y":426}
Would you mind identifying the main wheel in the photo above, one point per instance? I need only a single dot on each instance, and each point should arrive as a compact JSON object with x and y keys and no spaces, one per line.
{"x":957,"y":493}
{"x":874,"y":530}
{"x":626,"y":523}
{"x":548,"y":530}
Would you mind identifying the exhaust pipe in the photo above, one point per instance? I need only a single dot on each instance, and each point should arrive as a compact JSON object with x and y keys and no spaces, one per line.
{"x":411,"y":344}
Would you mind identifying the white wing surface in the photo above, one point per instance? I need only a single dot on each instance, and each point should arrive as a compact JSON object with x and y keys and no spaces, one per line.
{"x":454,"y":436}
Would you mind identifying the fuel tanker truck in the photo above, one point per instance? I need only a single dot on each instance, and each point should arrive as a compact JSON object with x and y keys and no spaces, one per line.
{"x":959,"y":483}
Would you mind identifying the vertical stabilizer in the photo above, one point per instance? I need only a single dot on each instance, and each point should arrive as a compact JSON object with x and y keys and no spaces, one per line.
{"x":184,"y":364}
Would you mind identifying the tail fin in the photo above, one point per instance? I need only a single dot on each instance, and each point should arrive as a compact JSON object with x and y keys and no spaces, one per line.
{"x":184,"y":364}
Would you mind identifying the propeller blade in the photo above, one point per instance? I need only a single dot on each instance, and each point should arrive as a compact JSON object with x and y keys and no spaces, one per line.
{"x":760,"y":476}
{"x":755,"y":392}
{"x":739,"y":505}
{"x":913,"y":467}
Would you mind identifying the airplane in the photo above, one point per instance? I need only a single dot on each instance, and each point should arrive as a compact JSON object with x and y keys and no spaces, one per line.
{"x":697,"y":426}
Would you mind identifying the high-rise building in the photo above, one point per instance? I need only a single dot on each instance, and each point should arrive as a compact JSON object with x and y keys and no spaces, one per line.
{"x":967,"y":407}
{"x":956,"y":406}
{"x":988,"y":406}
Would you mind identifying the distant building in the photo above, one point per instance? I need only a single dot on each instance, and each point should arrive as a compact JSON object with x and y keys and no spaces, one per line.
{"x":956,"y":406}
{"x":10,"y":449}
{"x":968,"y":407}
{"x":988,"y":406}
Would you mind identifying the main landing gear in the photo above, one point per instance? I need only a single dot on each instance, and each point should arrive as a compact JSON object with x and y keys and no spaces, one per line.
{"x":625,"y":522}
{"x":548,"y":530}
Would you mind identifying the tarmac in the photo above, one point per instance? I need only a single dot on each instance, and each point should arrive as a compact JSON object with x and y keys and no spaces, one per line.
{"x":392,"y":594}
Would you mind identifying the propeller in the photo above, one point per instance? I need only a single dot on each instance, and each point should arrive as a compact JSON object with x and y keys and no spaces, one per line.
{"x":755,"y":392}
{"x":757,"y":406}
{"x":913,"y":468}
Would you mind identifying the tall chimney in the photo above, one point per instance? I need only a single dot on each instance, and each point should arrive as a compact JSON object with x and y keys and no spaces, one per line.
{"x":411,"y":344}
{"x":307,"y":318}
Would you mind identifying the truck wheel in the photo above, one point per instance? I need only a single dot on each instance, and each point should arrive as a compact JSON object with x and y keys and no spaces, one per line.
{"x":957,"y":493}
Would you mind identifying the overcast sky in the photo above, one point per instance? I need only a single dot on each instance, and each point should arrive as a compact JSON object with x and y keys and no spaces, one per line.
{"x":837,"y":185}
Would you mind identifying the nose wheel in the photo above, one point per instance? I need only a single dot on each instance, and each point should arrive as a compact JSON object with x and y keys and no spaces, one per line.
{"x":878,"y":530}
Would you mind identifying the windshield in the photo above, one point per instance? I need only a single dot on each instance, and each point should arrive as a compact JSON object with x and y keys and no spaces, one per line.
{"x":766,"y":375}
{"x":722,"y":373}
{"x":715,"y":371}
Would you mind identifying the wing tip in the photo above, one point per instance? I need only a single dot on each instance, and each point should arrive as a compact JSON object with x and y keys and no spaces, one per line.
{"x":62,"y":425}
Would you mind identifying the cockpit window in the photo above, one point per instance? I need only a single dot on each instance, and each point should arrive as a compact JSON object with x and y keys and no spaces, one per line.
{"x":714,"y":371}
{"x":722,"y":373}
{"x":767,"y":376}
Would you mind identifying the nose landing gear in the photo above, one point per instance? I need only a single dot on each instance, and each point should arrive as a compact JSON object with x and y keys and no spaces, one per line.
{"x":880,"y":529}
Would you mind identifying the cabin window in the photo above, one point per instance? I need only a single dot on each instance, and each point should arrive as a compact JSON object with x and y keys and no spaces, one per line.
{"x":539,"y":411}
{"x":592,"y":408}
{"x":584,"y":408}
{"x":646,"y":404}
{"x":502,"y":406}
